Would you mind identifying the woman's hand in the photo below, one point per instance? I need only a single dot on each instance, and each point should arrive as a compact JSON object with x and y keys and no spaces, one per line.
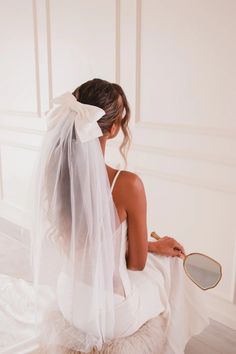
{"x":167,"y":246}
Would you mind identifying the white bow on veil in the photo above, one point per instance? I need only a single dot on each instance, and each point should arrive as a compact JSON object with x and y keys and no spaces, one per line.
{"x":86,"y":116}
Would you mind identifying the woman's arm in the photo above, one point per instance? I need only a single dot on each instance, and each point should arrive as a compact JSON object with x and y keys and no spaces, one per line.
{"x":138,"y":245}
{"x":136,"y":209}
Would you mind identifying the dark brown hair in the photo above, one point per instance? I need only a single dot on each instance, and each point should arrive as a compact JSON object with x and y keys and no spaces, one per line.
{"x":105,"y":95}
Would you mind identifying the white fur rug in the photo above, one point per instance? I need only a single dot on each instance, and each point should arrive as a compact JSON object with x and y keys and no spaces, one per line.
{"x":149,"y":339}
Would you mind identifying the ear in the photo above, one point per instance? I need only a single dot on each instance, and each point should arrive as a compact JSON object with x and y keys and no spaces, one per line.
{"x":113,"y":130}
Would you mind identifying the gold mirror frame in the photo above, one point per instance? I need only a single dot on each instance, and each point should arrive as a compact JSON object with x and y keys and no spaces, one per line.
{"x":157,"y":237}
{"x":204,"y":255}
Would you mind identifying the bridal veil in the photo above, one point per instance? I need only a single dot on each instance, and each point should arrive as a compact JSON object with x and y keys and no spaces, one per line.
{"x":75,"y":231}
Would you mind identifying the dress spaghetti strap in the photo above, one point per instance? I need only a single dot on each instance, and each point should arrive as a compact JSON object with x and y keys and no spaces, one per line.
{"x":114,"y":180}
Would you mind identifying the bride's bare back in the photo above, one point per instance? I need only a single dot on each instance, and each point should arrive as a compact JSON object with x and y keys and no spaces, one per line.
{"x":130,"y":200}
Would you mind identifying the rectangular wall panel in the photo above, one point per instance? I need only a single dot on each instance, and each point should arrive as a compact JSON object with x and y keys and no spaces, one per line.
{"x":188,"y":55}
{"x":18,"y":89}
{"x":83,"y":44}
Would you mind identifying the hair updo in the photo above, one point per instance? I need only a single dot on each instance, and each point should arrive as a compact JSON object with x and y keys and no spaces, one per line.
{"x":105,"y":95}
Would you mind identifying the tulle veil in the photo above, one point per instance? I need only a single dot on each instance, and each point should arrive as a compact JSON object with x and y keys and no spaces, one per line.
{"x":75,"y":232}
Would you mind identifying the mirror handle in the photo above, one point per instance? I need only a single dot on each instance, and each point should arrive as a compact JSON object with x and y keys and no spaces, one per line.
{"x":154,"y":235}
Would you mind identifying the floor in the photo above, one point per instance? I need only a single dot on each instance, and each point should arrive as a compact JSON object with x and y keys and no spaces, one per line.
{"x":215,"y":339}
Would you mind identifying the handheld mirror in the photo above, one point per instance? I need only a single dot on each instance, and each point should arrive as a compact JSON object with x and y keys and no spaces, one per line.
{"x":203,"y":270}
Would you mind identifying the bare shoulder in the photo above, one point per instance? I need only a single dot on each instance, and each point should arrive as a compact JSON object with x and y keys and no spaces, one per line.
{"x":131,"y":186}
{"x":130,"y":179}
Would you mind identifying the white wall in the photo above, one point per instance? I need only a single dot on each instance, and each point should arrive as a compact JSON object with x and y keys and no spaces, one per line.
{"x":176,"y":63}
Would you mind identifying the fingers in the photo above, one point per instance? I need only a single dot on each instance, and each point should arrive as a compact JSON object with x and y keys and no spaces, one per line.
{"x":177,"y":247}
{"x":182,"y":256}
{"x":177,"y":253}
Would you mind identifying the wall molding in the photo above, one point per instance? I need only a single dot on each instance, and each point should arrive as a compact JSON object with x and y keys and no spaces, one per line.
{"x":117,"y":42}
{"x":183,"y":128}
{"x":189,"y":129}
{"x":1,"y":179}
{"x":210,"y":185}
{"x":19,"y":145}
{"x":6,"y":112}
{"x":37,"y":113}
{"x":221,"y":310}
{"x":41,"y":18}
{"x":13,"y":214}
{"x":194,"y":182}
{"x":138,"y":60}
{"x":183,"y":154}
{"x":29,"y":125}
{"x":23,"y":130}
{"x":234,"y":277}
{"x":49,"y":53}
{"x":36,"y":55}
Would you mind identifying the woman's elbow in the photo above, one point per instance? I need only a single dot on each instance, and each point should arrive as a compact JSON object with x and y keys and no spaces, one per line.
{"x":136,"y":265}
{"x":136,"y":268}
{"x":136,"y":260}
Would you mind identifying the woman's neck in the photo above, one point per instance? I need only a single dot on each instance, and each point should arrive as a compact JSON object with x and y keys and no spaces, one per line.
{"x":103,"y":141}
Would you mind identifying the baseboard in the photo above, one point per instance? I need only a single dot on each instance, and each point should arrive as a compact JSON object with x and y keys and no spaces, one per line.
{"x":14,"y":214}
{"x":13,"y":230}
{"x":222,"y":310}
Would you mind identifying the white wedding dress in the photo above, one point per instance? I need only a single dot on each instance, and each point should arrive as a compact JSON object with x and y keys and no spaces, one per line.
{"x":161,"y":289}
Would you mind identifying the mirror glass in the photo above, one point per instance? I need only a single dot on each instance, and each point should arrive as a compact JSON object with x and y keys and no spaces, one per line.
{"x":203,"y":270}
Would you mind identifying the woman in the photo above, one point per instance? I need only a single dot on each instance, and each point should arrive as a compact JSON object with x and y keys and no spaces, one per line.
{"x":90,"y":242}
